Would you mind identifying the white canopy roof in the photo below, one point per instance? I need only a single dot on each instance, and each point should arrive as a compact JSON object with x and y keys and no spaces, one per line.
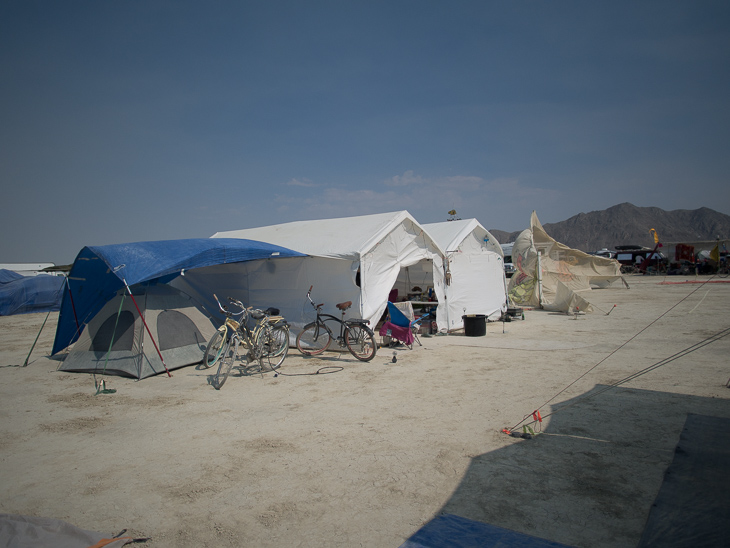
{"x":450,"y":234}
{"x":353,"y":258}
{"x":341,"y":238}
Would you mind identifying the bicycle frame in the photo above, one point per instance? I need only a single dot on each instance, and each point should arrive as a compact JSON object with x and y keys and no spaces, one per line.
{"x":322,"y":318}
{"x":268,"y":340}
{"x":236,"y":321}
{"x":353,"y":334}
{"x":249,"y":335}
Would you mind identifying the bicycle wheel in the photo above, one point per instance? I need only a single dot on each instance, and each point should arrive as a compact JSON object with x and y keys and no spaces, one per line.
{"x":228,"y":356}
{"x":313,"y":339}
{"x":214,"y":349}
{"x":361,"y":342}
{"x":274,"y":344}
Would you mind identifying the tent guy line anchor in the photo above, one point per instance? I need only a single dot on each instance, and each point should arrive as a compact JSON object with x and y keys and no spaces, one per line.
{"x":124,"y":281}
{"x":697,"y":346}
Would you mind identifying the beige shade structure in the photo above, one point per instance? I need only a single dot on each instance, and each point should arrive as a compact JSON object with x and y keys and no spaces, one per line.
{"x":553,"y":276}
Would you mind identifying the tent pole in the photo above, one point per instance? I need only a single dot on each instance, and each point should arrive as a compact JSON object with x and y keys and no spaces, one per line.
{"x":445,"y":265}
{"x":147,"y":328}
{"x":36,"y":339}
{"x":73,"y":306}
{"x":539,"y":277}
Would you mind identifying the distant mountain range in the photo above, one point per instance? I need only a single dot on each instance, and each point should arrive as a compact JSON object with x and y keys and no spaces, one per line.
{"x":626,"y":224}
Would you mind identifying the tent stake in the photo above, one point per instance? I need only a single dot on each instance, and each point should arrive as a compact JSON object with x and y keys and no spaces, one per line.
{"x":147,"y":328}
{"x":36,"y":339}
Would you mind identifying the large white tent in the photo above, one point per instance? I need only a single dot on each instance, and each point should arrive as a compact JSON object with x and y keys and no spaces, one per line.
{"x":475,"y":280}
{"x":354,"y":259}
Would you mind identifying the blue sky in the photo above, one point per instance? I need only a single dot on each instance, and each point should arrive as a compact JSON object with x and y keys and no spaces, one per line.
{"x":151,"y":120}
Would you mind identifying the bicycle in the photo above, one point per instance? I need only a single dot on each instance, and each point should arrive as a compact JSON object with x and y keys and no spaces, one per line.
{"x":354,"y":334}
{"x":267,"y":342}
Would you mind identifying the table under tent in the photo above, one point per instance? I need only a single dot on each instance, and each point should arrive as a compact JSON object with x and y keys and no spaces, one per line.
{"x":356,"y":259}
{"x":122,"y":314}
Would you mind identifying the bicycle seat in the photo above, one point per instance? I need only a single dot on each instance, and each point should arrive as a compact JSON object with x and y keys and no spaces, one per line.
{"x":257,"y":314}
{"x":344,"y":306}
{"x":271,"y":311}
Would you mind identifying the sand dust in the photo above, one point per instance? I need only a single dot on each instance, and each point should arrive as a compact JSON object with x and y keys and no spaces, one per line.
{"x":366,"y":455}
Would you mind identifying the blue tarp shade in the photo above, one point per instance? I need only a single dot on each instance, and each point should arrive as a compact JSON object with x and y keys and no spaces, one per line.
{"x":7,"y":276}
{"x":693,"y":504}
{"x":457,"y":532}
{"x":93,"y":282}
{"x":25,"y":294}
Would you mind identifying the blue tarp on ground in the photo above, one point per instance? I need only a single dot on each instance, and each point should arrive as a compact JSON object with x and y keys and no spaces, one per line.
{"x":457,"y":532}
{"x":100,"y":271}
{"x":25,"y":294}
{"x":693,"y":504}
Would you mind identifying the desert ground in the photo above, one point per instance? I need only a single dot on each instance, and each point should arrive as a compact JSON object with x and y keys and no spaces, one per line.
{"x":363,"y":454}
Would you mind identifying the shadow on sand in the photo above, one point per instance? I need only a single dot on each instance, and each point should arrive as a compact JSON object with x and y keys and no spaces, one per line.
{"x":591,"y":477}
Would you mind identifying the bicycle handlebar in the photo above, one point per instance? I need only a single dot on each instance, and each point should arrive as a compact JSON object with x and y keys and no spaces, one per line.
{"x":222,"y":307}
{"x":238,"y":303}
{"x":316,"y":306}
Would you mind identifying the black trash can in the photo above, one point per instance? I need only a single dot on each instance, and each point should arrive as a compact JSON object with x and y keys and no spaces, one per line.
{"x":475,"y":325}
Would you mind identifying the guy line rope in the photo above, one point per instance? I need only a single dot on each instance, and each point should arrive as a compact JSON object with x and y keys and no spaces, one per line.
{"x":537,"y":417}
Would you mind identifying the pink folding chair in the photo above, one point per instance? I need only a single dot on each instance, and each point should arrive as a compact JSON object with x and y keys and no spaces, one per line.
{"x":397,"y":326}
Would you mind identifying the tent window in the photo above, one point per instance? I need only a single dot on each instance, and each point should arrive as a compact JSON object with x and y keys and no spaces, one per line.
{"x":123,"y":336}
{"x":175,"y":329}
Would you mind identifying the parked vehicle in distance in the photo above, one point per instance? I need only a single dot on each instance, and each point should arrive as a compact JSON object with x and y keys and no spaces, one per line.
{"x":509,"y":267}
{"x":632,"y":257}
{"x":607,"y":253}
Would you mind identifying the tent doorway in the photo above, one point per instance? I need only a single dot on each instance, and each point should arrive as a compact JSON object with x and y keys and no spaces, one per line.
{"x":414,"y":281}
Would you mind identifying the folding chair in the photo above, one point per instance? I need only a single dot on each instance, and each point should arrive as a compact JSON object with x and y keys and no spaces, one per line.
{"x":425,"y":320}
{"x":398,"y":326}
{"x":407,"y":309}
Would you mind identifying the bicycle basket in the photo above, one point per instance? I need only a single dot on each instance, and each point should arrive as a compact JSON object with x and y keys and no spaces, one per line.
{"x":233,"y":324}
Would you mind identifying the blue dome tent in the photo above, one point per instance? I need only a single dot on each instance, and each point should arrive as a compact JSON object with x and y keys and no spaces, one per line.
{"x":101,"y":274}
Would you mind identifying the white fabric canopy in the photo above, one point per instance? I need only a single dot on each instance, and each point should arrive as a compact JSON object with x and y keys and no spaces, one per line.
{"x":378,"y":246}
{"x":476,"y":281}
